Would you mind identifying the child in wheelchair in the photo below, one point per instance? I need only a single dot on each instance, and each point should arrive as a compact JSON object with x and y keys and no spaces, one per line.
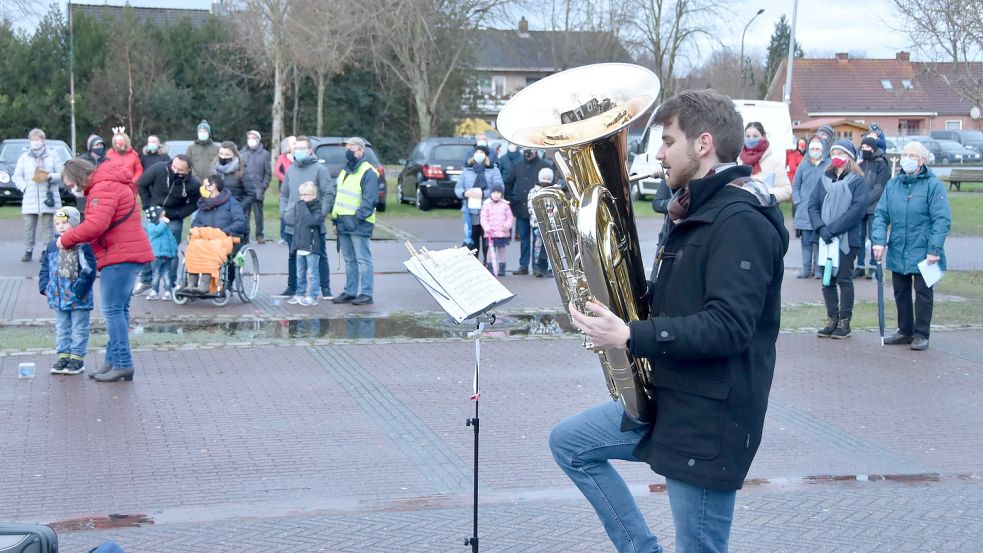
{"x":218,"y":226}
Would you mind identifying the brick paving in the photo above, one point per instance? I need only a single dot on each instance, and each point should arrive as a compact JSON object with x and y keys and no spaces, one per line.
{"x":346,"y":447}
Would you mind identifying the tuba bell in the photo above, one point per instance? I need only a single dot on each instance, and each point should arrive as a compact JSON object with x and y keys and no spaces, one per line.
{"x":589,"y":234}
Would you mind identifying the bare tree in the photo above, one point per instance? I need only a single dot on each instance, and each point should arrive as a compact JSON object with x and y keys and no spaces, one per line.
{"x":949,"y":32}
{"x":719,"y":73}
{"x":588,"y":31}
{"x":327,"y":35}
{"x":668,"y":30}
{"x":423,"y":43}
{"x":17,"y":10}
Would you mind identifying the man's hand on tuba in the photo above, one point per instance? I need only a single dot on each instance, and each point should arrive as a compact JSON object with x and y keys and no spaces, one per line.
{"x":605,"y":329}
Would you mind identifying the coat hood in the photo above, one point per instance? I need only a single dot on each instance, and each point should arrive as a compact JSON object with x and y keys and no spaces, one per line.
{"x":112,"y":172}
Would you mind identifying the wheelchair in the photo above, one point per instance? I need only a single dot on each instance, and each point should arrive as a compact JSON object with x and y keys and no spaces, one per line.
{"x":239,"y":275}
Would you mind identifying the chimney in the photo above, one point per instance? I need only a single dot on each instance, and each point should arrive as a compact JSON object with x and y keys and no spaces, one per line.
{"x":903,"y":56}
{"x":523,"y":26}
{"x":842,"y":57}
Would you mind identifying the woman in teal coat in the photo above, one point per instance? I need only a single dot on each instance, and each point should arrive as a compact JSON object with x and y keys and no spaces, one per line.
{"x":914,"y":204}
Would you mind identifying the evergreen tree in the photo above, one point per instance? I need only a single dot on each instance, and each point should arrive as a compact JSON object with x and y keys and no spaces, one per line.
{"x":778,"y":51}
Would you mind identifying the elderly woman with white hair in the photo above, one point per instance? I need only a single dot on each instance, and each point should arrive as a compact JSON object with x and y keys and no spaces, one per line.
{"x":37,"y":176}
{"x":915,"y":207}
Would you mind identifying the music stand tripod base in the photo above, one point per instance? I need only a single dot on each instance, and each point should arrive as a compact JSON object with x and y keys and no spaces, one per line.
{"x":480,"y":322}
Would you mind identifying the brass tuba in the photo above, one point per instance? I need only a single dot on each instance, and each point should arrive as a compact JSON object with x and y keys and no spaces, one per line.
{"x":590,"y":235}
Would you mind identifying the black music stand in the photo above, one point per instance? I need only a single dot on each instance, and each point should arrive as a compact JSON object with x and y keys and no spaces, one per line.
{"x":480,"y":321}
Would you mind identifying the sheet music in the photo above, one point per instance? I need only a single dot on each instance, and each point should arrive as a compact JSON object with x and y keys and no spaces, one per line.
{"x":458,"y":281}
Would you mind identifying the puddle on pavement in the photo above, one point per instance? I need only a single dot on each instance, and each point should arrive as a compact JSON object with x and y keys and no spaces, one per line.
{"x":361,"y":328}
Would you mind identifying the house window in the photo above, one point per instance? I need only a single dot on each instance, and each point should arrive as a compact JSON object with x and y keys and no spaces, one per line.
{"x":530,"y":80}
{"x":485,"y":85}
{"x":951,"y":125}
{"x":909,"y":126}
{"x":886,"y":83}
{"x":907,"y":84}
{"x":498,"y":85}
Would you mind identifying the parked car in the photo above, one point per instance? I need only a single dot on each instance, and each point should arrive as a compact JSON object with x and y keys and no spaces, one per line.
{"x":901,"y":141}
{"x":330,"y":150}
{"x":972,"y":140}
{"x":950,"y":151}
{"x":432,"y":170}
{"x":10,"y":151}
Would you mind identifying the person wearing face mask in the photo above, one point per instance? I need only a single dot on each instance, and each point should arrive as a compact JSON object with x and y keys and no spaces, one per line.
{"x":482,"y":141}
{"x":203,"y":151}
{"x":154,"y":152}
{"x":795,"y":157}
{"x":37,"y":176}
{"x":506,"y":163}
{"x":826,"y":133}
{"x":228,"y":167}
{"x":836,"y":208}
{"x":123,"y":152}
{"x":916,"y":208}
{"x":766,"y":165}
{"x":283,"y":163}
{"x":877,"y":171}
{"x":524,"y":176}
{"x":256,"y":174}
{"x":808,"y":177}
{"x":473,"y":188}
{"x":353,"y":215}
{"x":172,"y":187}
{"x":95,"y":153}
{"x":305,"y":168}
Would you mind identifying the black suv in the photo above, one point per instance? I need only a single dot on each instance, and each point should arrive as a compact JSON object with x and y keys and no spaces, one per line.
{"x":10,"y":151}
{"x":330,"y":150}
{"x":432,"y":170}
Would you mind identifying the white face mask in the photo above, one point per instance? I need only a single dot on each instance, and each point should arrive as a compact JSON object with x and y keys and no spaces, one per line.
{"x":479,"y":157}
{"x":202,"y":136}
{"x":513,"y":147}
{"x":909,"y":165}
{"x":37,"y":144}
{"x":252,"y":142}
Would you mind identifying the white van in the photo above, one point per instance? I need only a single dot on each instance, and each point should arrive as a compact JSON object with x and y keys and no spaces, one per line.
{"x":773,"y":116}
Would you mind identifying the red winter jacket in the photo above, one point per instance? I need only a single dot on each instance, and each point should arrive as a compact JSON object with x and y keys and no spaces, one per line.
{"x":109,"y":198}
{"x":131,"y":161}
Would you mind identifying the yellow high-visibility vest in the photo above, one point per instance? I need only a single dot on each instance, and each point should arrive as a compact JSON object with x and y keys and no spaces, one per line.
{"x":349,"y":197}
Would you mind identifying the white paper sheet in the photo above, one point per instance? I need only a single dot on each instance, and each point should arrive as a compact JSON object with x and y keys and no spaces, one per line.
{"x":458,"y":281}
{"x":932,"y":273}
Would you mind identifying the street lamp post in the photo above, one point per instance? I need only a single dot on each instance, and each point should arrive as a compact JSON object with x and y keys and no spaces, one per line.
{"x":743,"y":70}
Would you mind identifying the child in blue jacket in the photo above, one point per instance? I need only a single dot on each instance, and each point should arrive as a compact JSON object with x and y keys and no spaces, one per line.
{"x":165,"y":252}
{"x":66,"y":277}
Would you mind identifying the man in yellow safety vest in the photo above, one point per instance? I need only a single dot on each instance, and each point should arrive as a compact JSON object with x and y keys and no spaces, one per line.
{"x":353,"y":217}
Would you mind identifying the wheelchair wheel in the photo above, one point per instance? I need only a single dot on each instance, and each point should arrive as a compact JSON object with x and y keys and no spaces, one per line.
{"x":247,"y":274}
{"x":223,"y":298}
{"x":182,"y":281}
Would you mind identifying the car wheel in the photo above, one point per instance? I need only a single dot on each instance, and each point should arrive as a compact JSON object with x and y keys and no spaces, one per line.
{"x":945,"y":161}
{"x":422,"y":201}
{"x":635,"y":196}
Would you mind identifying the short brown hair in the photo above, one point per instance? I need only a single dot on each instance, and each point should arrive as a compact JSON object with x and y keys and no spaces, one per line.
{"x":303,"y":138}
{"x":78,"y":171}
{"x":706,"y":111}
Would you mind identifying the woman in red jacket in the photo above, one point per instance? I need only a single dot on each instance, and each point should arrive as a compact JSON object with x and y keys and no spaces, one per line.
{"x":112,"y":227}
{"x":794,"y":157}
{"x":123,"y":151}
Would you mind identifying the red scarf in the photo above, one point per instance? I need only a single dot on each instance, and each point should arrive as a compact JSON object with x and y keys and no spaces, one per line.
{"x":752,"y":156}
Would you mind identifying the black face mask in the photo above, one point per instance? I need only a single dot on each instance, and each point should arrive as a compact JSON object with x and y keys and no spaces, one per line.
{"x":866,"y":155}
{"x":224,"y":160}
{"x":529,"y":155}
{"x":99,"y":151}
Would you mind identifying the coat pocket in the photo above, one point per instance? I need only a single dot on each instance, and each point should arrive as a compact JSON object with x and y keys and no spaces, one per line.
{"x":691,"y":413}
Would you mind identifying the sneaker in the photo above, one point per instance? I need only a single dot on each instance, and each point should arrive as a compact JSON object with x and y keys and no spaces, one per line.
{"x":282,"y":242}
{"x":59,"y":366}
{"x":74,"y":366}
{"x":295,"y":300}
{"x":140,"y":288}
{"x":342,"y":298}
{"x":308,"y":301}
{"x":286,"y":294}
{"x":260,"y":240}
{"x":521,"y":271}
{"x":362,"y":299}
{"x":326,"y":294}
{"x":152,"y":295}
{"x":166,"y":296}
{"x":27,"y":256}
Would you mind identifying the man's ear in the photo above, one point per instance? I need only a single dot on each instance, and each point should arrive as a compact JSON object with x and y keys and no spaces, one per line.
{"x":704,"y":144}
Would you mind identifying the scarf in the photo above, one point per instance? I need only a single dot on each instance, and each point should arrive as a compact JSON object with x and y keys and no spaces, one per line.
{"x":752,"y":156}
{"x":836,"y":203}
{"x":679,"y":205}
{"x":479,"y":170}
{"x":68,"y":264}
{"x":228,"y":168}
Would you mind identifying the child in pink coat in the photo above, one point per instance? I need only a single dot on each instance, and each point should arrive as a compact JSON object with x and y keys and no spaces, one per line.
{"x":496,"y":220}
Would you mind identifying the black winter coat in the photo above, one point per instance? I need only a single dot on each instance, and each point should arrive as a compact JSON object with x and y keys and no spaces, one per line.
{"x":711,"y":338}
{"x":236,"y":185}
{"x":849,"y":221}
{"x":524,"y":176}
{"x":877,"y":170}
{"x":221,"y":212}
{"x":158,"y":186}
{"x":308,"y":228}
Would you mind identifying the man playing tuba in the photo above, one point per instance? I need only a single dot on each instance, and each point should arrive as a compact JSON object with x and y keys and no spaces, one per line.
{"x":710,"y":340}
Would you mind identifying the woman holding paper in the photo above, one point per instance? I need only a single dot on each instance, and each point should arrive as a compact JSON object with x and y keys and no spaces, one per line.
{"x":915,"y":206}
{"x":474,"y":187}
{"x":836,"y":210}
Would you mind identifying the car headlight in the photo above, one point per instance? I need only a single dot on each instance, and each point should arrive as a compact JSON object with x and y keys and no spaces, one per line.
{"x":4,"y":177}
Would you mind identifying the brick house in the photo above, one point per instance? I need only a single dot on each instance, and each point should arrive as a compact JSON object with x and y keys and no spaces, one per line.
{"x":902,"y":96}
{"x":508,"y":60}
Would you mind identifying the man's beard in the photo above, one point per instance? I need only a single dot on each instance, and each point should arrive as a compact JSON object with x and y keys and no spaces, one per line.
{"x":679,"y":177}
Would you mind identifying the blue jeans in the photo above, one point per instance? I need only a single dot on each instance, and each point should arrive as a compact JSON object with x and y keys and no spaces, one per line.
{"x":323,"y":271}
{"x":358,"y":264}
{"x":308,"y":264}
{"x":810,"y":252}
{"x":865,"y":228}
{"x":176,"y":227}
{"x":161,"y":269}
{"x":583,"y":445}
{"x":116,"y":284}
{"x":523,"y":228}
{"x":72,"y":331}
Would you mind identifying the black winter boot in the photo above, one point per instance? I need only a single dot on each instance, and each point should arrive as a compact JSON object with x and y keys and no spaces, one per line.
{"x":842,"y":329}
{"x":501,"y":269}
{"x":827,"y":331}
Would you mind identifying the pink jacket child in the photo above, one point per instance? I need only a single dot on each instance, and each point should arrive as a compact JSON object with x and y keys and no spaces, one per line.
{"x":496,"y":217}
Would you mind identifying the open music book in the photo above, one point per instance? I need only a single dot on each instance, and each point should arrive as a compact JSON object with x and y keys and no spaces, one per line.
{"x":462,"y":286}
